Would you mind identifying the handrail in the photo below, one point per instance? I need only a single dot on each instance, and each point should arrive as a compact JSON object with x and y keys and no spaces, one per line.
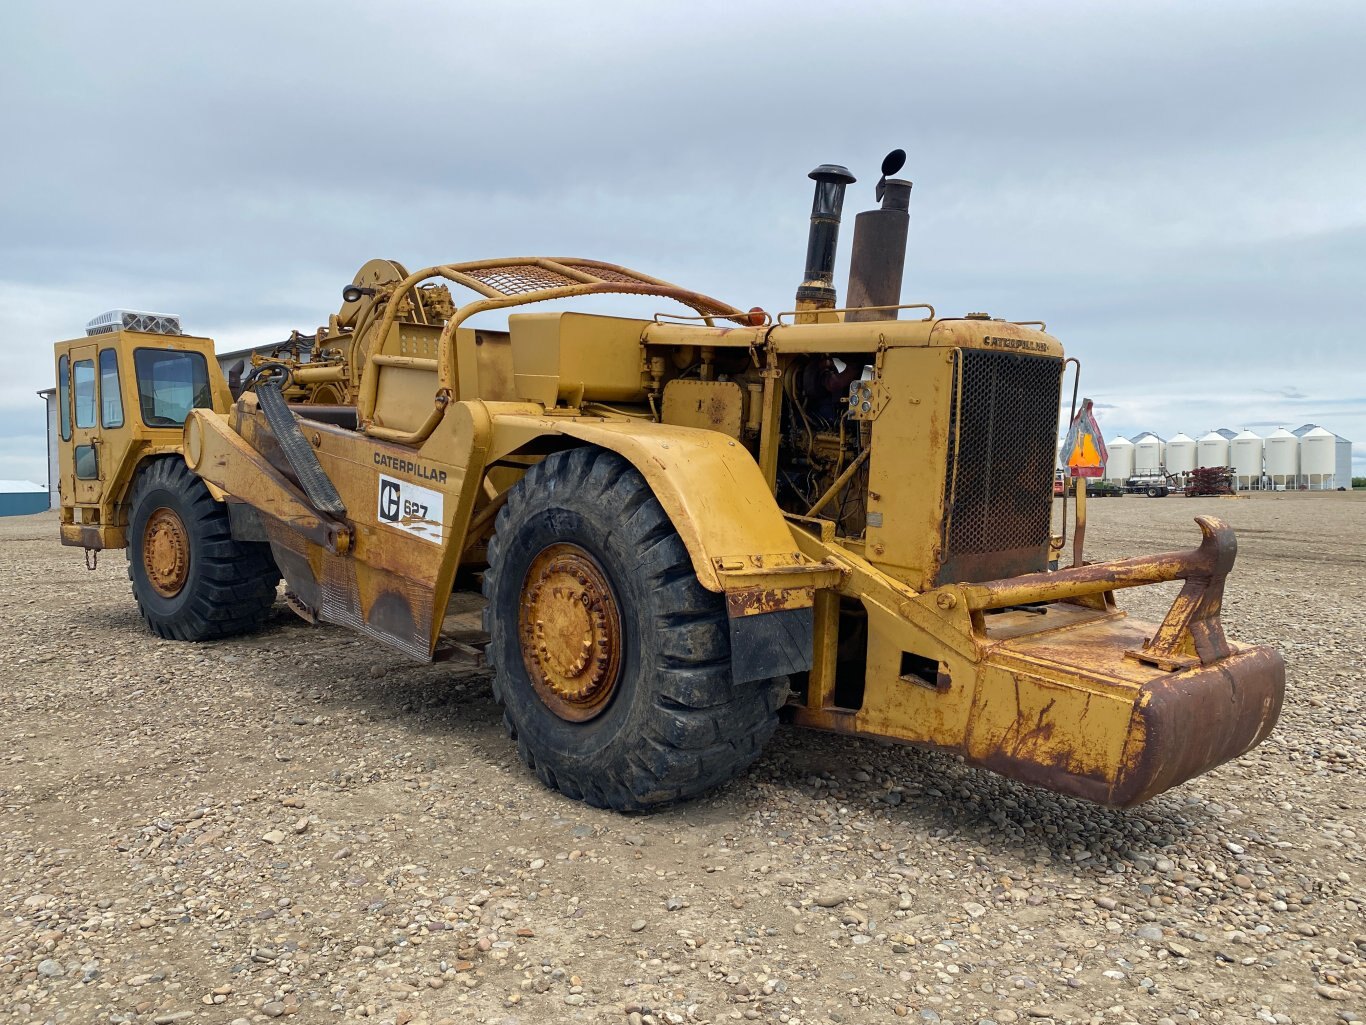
{"x":778,"y":317}
{"x":584,"y":281}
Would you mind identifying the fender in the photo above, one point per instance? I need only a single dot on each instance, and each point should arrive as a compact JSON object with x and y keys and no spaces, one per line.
{"x":713,"y":492}
{"x":738,"y":540}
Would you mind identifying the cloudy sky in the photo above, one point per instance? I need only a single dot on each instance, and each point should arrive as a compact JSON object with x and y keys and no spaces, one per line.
{"x":1178,"y":189}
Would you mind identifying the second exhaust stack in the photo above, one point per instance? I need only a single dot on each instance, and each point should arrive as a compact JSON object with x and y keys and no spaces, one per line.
{"x":878,"y":259}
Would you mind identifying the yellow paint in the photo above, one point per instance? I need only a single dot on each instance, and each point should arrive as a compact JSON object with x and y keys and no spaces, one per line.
{"x":706,"y":411}
{"x":94,"y":511}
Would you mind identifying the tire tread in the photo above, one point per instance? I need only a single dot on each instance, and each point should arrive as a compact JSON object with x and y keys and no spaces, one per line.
{"x":702,"y":729}
{"x":236,"y":583}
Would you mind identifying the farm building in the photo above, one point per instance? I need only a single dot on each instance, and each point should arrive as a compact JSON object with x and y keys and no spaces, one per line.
{"x":22,"y":498}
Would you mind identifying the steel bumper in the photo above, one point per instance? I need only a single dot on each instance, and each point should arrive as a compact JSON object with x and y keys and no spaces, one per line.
{"x":1075,"y":736}
{"x":1187,"y":723}
{"x":1042,"y":679}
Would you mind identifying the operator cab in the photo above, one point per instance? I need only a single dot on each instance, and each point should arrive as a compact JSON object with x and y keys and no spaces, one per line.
{"x":123,"y":392}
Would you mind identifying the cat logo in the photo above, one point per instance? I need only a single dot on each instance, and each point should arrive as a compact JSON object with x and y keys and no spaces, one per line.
{"x":388,"y":500}
{"x":411,"y":508}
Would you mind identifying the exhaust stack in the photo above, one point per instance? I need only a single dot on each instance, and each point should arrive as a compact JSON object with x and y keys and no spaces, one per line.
{"x":878,"y":259}
{"x":817,"y":290}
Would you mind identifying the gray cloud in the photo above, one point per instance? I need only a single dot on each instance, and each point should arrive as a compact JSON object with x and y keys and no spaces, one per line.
{"x":1175,"y":188}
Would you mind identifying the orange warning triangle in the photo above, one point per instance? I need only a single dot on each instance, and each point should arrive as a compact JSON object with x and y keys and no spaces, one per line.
{"x":1084,"y":450}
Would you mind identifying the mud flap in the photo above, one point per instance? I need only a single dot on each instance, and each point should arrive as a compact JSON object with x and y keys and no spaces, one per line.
{"x":771,"y":644}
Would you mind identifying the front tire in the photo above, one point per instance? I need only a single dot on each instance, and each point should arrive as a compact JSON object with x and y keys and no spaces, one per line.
{"x":192,"y":580}
{"x":611,"y":661}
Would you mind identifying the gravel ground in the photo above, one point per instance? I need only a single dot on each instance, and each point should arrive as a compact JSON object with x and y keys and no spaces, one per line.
{"x":301,"y":824}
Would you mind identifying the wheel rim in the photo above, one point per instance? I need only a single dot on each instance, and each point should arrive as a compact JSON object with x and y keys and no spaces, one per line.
{"x":569,"y":629}
{"x":165,"y":552}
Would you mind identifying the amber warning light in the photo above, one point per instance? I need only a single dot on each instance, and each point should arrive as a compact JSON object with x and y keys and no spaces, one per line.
{"x":1085,"y":448}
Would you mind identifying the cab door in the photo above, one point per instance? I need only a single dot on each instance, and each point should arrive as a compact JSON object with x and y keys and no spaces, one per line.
{"x":94,"y":412}
{"x":85,"y":482}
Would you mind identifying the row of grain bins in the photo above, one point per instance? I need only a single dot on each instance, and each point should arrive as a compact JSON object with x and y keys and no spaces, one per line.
{"x":1311,"y":457}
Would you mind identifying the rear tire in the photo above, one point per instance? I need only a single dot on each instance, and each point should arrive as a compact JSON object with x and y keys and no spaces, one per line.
{"x":612,"y":662}
{"x":192,"y":580}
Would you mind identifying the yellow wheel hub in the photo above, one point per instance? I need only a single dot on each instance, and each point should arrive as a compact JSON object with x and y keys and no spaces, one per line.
{"x":569,"y":629}
{"x":165,"y":552}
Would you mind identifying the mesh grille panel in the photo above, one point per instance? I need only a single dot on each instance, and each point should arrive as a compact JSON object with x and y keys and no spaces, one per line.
{"x":998,"y":487}
{"x":610,"y":274}
{"x":522,"y":277}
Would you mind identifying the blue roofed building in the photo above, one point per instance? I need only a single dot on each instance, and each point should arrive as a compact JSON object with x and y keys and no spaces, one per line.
{"x":22,"y":498}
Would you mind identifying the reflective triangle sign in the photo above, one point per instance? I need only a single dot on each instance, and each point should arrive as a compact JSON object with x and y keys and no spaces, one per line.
{"x":1084,"y":452}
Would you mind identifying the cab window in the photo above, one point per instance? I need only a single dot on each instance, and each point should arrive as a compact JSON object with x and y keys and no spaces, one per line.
{"x":111,"y":399}
{"x":83,"y":383}
{"x":64,"y":396}
{"x":87,"y":462}
{"x":170,"y":384}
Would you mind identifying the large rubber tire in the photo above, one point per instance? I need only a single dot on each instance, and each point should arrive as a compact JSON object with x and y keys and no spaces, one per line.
{"x":675,"y":725}
{"x":228,"y":585}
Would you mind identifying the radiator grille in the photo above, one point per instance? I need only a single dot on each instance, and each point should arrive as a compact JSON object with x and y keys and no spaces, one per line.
{"x":998,"y":495}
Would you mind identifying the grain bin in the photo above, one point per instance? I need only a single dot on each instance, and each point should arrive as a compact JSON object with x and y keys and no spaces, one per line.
{"x":1149,"y":451}
{"x":1245,"y":456}
{"x":1182,"y":454}
{"x":1120,"y":465}
{"x":1212,"y":450}
{"x":1282,"y":457}
{"x":1325,"y":460}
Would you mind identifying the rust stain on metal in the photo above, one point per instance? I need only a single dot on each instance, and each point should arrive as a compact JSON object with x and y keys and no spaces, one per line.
{"x":938,"y":476}
{"x":1181,"y":725}
{"x":570,"y":632}
{"x":754,"y":601}
{"x":717,"y":411}
{"x":708,"y":405}
{"x":1193,"y":721}
{"x":86,"y":536}
{"x":166,"y":552}
{"x":1190,"y":634}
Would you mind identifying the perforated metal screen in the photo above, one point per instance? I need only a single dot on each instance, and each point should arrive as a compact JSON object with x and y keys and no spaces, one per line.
{"x":1002,"y":448}
{"x":519,"y":279}
{"x":524,"y":277}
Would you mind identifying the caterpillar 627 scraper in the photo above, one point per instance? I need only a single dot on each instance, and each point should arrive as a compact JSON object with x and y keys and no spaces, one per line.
{"x":684,"y":527}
